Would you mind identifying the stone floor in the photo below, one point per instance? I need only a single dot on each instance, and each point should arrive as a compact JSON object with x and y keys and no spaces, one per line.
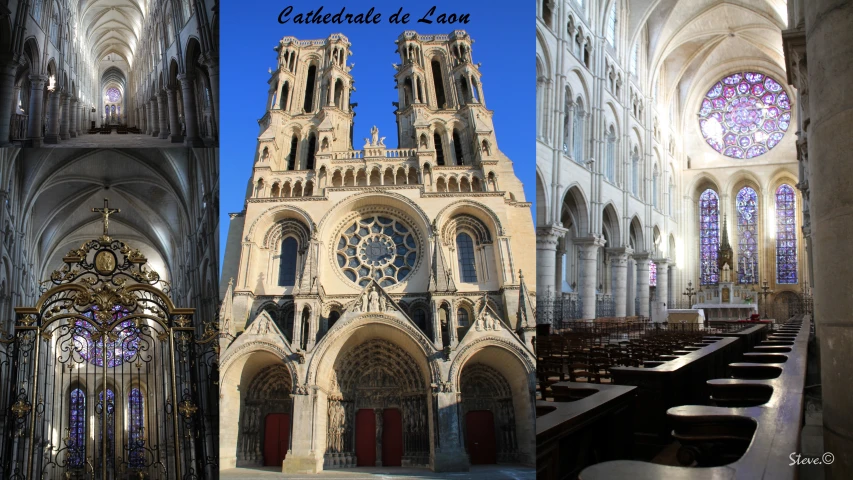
{"x":114,"y":140}
{"x":478,"y":472}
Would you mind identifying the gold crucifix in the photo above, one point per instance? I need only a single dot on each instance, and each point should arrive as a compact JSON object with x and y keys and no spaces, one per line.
{"x":106,"y":212}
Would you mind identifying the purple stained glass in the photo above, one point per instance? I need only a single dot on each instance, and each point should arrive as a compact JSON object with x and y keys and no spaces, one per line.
{"x":738,"y":116}
{"x":106,"y":413}
{"x":653,"y":274}
{"x":786,"y":235}
{"x":747,"y":228}
{"x":77,"y":429}
{"x":113,"y":95}
{"x":137,"y":429}
{"x":709,"y":237}
{"x":115,"y":349}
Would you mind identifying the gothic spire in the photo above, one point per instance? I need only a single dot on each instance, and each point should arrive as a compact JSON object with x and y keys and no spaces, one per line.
{"x":525,"y":307}
{"x":440,"y":278}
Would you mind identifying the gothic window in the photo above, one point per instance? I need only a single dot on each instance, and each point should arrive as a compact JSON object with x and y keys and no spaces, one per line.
{"x":308,"y":105}
{"x":611,"y":25}
{"x":709,"y":237}
{"x":185,"y":8}
{"x":786,"y":235}
{"x":747,"y":227}
{"x":465,"y":253}
{"x":457,"y":148}
{"x":77,"y":429}
{"x":420,"y":319}
{"x":744,"y":115}
{"x":312,"y":151}
{"x":610,"y":155}
{"x":546,"y":12}
{"x":136,"y":404}
{"x":669,"y":197}
{"x":439,"y":150}
{"x":106,"y":415}
{"x":462,"y":317}
{"x":306,"y":320}
{"x":291,"y":157}
{"x":379,"y":248}
{"x":121,"y":346}
{"x":285,"y":92}
{"x":653,"y":274}
{"x":635,"y":172}
{"x":408,"y":95}
{"x":438,"y":83}
{"x":54,"y":28}
{"x":339,"y":94}
{"x":475,"y":88}
{"x":334,"y":317}
{"x":37,"y":7}
{"x":274,"y":97}
{"x":463,"y":90}
{"x":287,"y":268}
{"x":577,"y":132}
{"x":635,"y":54}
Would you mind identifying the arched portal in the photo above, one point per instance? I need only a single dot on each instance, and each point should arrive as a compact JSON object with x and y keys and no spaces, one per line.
{"x":265,"y":418}
{"x":488,"y":416}
{"x":377,"y":404}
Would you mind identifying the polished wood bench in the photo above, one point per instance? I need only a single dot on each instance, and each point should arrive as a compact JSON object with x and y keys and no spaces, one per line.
{"x":749,"y":434}
{"x":592,"y":423}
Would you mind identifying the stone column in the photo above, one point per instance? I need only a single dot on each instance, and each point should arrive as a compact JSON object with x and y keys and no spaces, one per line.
{"x":190,"y":115}
{"x":559,"y":273}
{"x":212,"y":63}
{"x":72,"y":117}
{"x":52,"y":135}
{"x":377,"y":412}
{"x":35,"y":136}
{"x":174,"y":123}
{"x":547,"y":239}
{"x":450,"y":455}
{"x":643,"y":283}
{"x":155,"y":118}
{"x":829,"y":48}
{"x":619,"y":264}
{"x":630,"y":301}
{"x":307,"y":437}
{"x":7,"y":99}
{"x":63,"y":116}
{"x":163,"y":109}
{"x":661,"y":302}
{"x":586,"y":289}
{"x":452,"y":325}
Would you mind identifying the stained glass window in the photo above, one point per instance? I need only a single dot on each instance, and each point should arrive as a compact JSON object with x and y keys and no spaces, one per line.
{"x":744,"y":115}
{"x":106,"y":413}
{"x":747,"y":229}
{"x":113,"y":95}
{"x":611,"y":25}
{"x":114,"y":349}
{"x":377,"y":247}
{"x":137,"y":429}
{"x":653,"y":274}
{"x":77,"y":429}
{"x":287,"y":270}
{"x":709,"y":237}
{"x":465,"y":251}
{"x":462,"y":317}
{"x":786,"y":235}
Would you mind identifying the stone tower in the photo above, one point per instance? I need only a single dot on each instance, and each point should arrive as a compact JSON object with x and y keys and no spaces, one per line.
{"x":312,"y":86}
{"x":437,"y":80}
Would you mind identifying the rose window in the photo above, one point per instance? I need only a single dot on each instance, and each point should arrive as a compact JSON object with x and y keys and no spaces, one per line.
{"x":114,"y":347}
{"x":744,"y":115}
{"x":379,"y":248}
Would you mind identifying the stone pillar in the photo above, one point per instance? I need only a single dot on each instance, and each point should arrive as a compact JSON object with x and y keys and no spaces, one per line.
{"x":72,"y":117}
{"x":35,"y":136}
{"x":661,"y":291}
{"x":619,"y":264}
{"x":547,"y":239}
{"x":174,"y":123}
{"x":52,"y":135}
{"x":146,"y":111}
{"x":212,"y":63}
{"x":643,"y":283}
{"x":63,"y":116}
{"x":190,"y":115}
{"x":450,"y":455}
{"x":829,"y":48}
{"x":436,"y":327}
{"x":558,"y":269}
{"x":308,"y":433}
{"x":377,"y":412}
{"x":630,"y":301}
{"x":7,"y":99}
{"x":163,"y":108}
{"x":452,"y":325}
{"x":155,"y":117}
{"x":586,"y":289}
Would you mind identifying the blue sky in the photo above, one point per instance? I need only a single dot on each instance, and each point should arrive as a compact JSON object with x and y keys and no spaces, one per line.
{"x":503,"y":42}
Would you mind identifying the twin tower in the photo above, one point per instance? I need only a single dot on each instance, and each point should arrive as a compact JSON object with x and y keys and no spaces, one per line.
{"x":440,"y":105}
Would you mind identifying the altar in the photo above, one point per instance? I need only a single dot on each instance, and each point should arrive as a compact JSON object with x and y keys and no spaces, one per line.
{"x":726,"y":300}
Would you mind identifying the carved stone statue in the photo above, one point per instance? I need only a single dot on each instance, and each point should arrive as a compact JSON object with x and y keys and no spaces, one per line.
{"x":374,"y":136}
{"x":374,"y":300}
{"x":365,"y":298}
{"x":727,"y":273}
{"x":382,"y":303}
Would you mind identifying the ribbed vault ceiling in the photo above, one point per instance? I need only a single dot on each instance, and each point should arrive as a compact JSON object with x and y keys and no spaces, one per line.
{"x":112,"y":26}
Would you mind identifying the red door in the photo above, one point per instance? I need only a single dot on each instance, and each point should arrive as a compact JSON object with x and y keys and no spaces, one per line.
{"x":392,"y":438}
{"x":480,"y":437}
{"x":365,"y":437}
{"x":276,"y":438}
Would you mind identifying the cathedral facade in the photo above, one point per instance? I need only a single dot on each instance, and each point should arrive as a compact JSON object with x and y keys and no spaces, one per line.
{"x":377,"y":311}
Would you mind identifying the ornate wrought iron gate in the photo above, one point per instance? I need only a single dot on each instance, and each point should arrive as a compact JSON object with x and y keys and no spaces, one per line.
{"x":105,"y":375}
